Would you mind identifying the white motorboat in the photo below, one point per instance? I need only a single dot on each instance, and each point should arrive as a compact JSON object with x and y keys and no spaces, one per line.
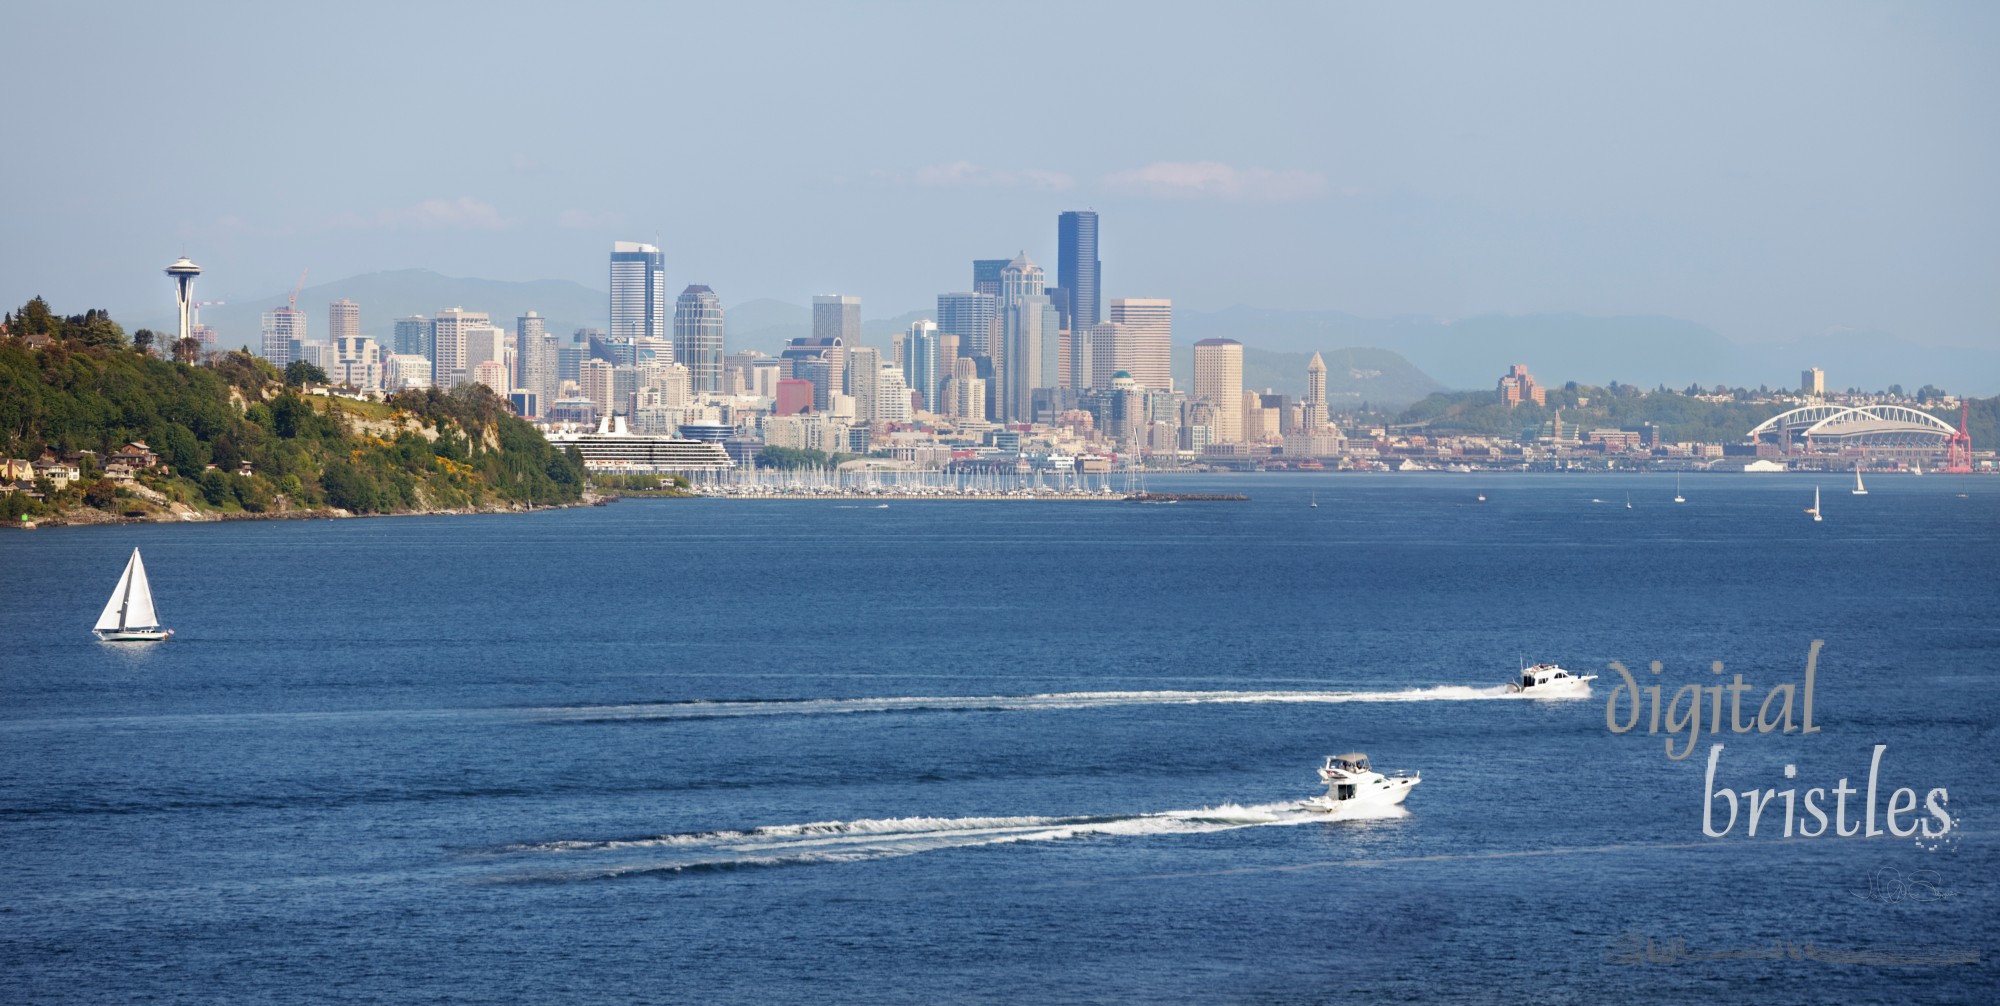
{"x":129,"y":616}
{"x":1548,"y":681}
{"x":1352,"y":787}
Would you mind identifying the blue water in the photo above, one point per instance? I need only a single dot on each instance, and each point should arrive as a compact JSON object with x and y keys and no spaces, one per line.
{"x":567,"y":756}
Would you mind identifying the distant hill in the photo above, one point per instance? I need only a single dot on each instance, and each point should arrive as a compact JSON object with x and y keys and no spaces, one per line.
{"x":1643,"y":350}
{"x":1354,"y":376}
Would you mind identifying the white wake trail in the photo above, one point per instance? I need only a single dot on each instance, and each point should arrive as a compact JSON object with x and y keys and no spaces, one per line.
{"x":704,"y":709}
{"x":866,"y":839}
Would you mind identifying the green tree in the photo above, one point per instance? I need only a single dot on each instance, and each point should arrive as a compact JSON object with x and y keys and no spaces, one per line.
{"x":299,"y":372}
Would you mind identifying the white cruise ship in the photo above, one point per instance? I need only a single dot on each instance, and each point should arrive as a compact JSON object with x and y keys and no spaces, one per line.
{"x":614,"y":448}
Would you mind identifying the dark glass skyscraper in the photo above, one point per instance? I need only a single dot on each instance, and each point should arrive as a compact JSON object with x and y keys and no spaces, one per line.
{"x":986,"y":274}
{"x":1078,"y":271}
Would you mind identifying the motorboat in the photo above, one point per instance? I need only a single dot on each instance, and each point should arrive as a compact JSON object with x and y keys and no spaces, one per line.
{"x":1352,"y":787}
{"x":1548,"y":681}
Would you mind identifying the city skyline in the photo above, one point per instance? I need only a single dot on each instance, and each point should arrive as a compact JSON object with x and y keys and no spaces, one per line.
{"x":1475,"y":183}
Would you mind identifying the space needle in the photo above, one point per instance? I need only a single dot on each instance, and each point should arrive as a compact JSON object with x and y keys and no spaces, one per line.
{"x":183,"y":273}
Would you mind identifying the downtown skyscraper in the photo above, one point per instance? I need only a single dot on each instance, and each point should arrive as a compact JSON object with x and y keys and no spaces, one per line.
{"x":638,"y":291}
{"x":698,"y":338}
{"x":1079,"y":273}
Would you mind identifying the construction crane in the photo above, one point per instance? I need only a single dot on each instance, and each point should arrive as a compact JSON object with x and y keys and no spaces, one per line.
{"x":292,"y":304}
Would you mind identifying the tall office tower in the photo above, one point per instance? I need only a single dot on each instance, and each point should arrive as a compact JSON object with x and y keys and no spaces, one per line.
{"x":450,"y":330}
{"x":282,"y":328}
{"x":488,"y":344}
{"x":1812,"y":381}
{"x":638,"y":291}
{"x":1078,"y":270}
{"x":596,"y":382}
{"x":1107,"y":339}
{"x":698,"y":338}
{"x":968,"y":390}
{"x":948,"y":344}
{"x":1149,"y":323}
{"x":973,"y":317}
{"x":1314,"y":419}
{"x":534,"y":358}
{"x":1218,"y":380}
{"x":986,"y":275}
{"x":837,"y":316}
{"x":183,"y":272}
{"x":920,"y":363}
{"x":413,"y":337}
{"x":1029,"y":350}
{"x":864,"y":372}
{"x":343,"y":320}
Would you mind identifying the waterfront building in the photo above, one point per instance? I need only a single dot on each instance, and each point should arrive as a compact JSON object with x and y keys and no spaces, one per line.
{"x":1145,"y":343}
{"x":638,"y":291}
{"x":698,"y":338}
{"x":1079,"y":273}
{"x":1218,"y":380}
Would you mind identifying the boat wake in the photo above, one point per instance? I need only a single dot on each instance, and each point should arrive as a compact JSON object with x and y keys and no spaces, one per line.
{"x":823,"y":842}
{"x":707,"y":709}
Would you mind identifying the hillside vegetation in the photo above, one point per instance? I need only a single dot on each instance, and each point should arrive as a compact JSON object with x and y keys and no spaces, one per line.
{"x":233,"y":436}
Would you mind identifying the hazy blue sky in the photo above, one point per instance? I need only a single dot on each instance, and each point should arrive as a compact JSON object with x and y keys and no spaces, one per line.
{"x":1773,"y":170}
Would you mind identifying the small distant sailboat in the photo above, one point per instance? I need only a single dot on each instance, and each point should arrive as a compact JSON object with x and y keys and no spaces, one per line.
{"x":1315,"y":502}
{"x":1628,"y":501}
{"x":1916,"y":468}
{"x":1482,"y":497}
{"x":129,"y":616}
{"x":1678,"y":498}
{"x":1859,"y":489}
{"x":1814,"y":509}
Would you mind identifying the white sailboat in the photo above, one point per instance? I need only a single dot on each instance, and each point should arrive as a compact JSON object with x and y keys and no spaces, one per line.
{"x":1314,"y":505}
{"x":1814,"y":509}
{"x":1628,"y":501}
{"x":1859,"y":489}
{"x":129,"y":616}
{"x":1678,"y":498}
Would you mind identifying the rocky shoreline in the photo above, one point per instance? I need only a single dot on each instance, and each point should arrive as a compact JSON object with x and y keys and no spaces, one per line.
{"x":180,"y":513}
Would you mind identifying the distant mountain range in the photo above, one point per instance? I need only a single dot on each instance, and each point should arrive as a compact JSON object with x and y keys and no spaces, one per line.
{"x":1386,"y":361}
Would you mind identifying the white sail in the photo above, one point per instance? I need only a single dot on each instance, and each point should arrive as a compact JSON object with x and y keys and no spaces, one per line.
{"x":139,"y":612}
{"x":115,"y":607}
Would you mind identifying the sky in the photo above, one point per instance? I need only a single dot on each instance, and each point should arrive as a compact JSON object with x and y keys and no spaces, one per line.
{"x":1772,"y":170}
